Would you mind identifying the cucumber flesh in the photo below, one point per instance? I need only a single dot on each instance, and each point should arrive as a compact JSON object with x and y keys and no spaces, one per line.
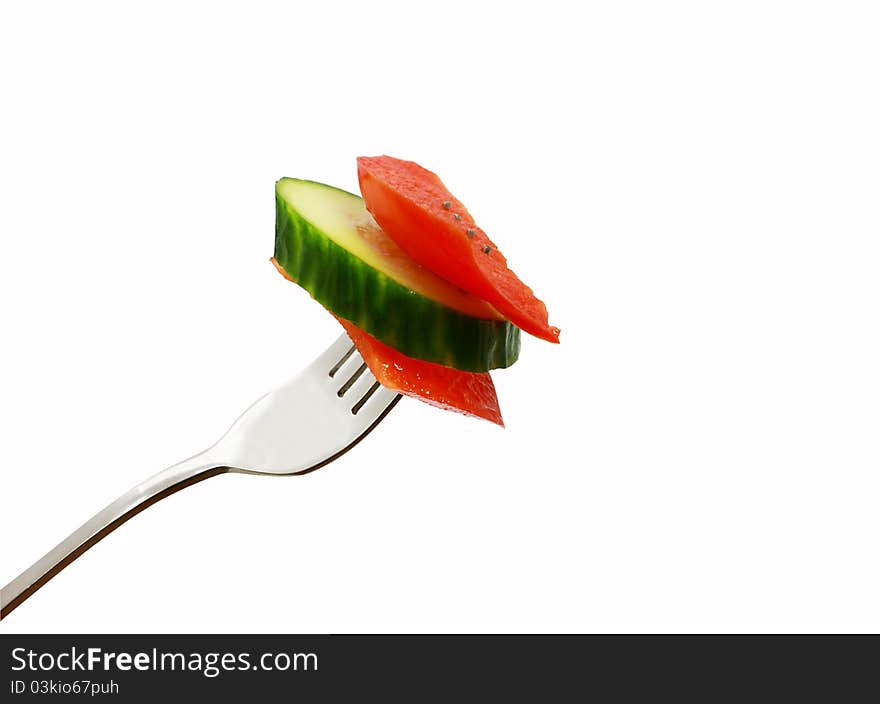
{"x":330,"y":245}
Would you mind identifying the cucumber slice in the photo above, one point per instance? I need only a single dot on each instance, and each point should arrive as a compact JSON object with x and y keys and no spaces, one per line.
{"x":330,"y":245}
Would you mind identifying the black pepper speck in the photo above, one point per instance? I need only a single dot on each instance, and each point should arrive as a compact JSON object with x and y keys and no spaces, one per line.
{"x":447,"y":204}
{"x":487,"y":249}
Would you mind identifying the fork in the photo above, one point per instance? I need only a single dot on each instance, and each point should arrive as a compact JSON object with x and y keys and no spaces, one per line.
{"x":301,"y":426}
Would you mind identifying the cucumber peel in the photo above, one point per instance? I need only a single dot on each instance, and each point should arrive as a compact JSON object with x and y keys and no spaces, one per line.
{"x":327,"y":242}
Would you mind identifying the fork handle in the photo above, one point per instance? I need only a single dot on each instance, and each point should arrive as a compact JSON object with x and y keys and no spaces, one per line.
{"x":157,"y":487}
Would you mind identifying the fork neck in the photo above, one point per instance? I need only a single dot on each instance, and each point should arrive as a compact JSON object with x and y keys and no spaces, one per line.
{"x":135,"y":500}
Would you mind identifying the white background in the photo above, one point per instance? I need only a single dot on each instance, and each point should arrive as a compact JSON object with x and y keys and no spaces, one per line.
{"x":691,"y":187}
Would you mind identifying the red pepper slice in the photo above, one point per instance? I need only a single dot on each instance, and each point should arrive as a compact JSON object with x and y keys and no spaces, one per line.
{"x":432,"y":226}
{"x":470,"y":393}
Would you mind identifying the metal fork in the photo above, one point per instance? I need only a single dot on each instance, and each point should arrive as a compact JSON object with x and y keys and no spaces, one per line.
{"x":301,"y":426}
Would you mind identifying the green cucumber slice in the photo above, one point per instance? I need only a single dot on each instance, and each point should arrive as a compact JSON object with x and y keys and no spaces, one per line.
{"x":330,"y":245}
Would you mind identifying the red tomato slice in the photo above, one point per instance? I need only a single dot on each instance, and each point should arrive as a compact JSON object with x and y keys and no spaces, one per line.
{"x":466,"y":392}
{"x":433,"y":227}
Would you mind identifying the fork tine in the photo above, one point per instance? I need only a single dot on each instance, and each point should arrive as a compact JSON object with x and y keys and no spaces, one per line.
{"x":356,"y":385}
{"x":352,"y":378}
{"x":376,"y":403}
{"x":359,"y":386}
{"x":347,"y":369}
{"x":365,"y":397}
{"x":335,"y":368}
{"x":333,"y":355}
